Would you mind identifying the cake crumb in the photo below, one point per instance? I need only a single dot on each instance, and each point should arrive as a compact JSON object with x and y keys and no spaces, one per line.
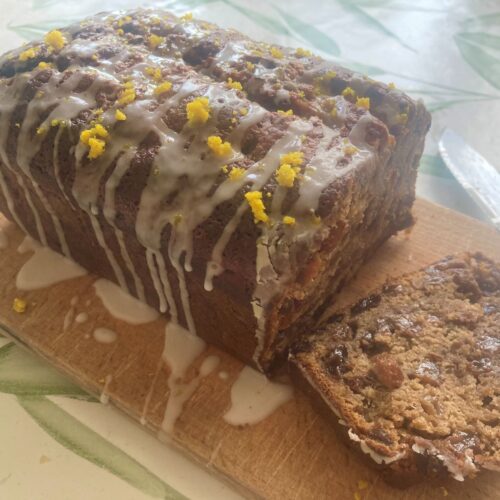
{"x":289,"y":221}
{"x":444,"y":491}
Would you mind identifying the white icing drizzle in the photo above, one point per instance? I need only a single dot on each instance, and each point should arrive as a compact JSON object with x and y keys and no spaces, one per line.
{"x":70,"y":315}
{"x":110,"y":212}
{"x":28,"y":245}
{"x":180,"y":351}
{"x":254,"y":397}
{"x":46,"y":267}
{"x":104,"y":335}
{"x":162,"y":273}
{"x":380,"y":459}
{"x":104,"y":398}
{"x":9,"y":96}
{"x":81,"y":318}
{"x":123,"y":306}
{"x":57,"y":166}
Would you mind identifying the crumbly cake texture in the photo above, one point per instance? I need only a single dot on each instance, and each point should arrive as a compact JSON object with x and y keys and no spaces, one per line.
{"x":411,"y":373}
{"x":232,"y":184}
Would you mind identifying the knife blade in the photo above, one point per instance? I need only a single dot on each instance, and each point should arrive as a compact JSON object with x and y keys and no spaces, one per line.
{"x":478,"y":177}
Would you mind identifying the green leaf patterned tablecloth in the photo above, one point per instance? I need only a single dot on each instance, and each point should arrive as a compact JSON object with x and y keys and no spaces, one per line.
{"x":59,"y":443}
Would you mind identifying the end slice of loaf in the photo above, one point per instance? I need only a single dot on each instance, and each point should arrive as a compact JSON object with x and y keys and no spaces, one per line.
{"x":412,"y":372}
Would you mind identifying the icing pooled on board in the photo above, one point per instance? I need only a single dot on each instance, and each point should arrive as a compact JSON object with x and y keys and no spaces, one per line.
{"x":104,"y":335}
{"x":123,"y":306}
{"x":254,"y":397}
{"x":45,"y":268}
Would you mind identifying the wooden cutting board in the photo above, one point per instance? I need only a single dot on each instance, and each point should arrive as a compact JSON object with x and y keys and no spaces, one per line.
{"x":291,"y":454}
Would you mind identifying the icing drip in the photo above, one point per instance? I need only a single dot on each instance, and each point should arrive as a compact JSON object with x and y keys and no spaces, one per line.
{"x":122,"y":305}
{"x":10,"y":201}
{"x":46,"y":267}
{"x":109,"y":254}
{"x":254,"y":397}
{"x":104,"y":335}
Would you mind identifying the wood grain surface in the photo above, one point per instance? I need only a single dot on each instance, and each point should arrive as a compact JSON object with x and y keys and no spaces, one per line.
{"x":293,"y":454}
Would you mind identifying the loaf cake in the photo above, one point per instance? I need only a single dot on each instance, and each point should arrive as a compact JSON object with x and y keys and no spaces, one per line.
{"x":231,"y":184}
{"x":411,"y":373}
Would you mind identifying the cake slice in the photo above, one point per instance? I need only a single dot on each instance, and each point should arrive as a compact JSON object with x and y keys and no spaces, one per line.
{"x":411,"y":373}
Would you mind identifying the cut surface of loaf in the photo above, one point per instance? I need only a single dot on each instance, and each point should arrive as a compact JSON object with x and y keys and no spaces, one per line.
{"x":231,"y":184}
{"x":412,"y":372}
